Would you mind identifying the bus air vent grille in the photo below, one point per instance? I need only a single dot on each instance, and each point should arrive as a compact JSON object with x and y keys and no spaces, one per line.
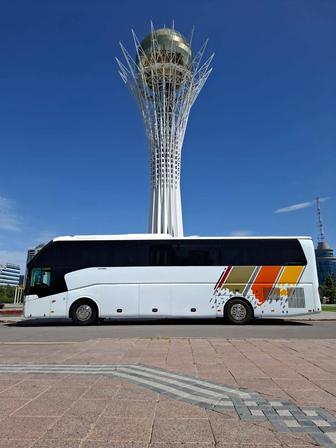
{"x":296,"y":298}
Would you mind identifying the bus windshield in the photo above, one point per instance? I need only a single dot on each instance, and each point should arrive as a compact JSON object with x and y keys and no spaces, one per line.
{"x":40,"y":277}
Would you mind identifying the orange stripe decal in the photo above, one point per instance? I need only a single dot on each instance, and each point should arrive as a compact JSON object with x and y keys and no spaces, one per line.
{"x":264,"y":282}
{"x":291,"y":275}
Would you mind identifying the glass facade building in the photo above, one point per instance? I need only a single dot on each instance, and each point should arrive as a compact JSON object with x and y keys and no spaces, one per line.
{"x":325,"y":260}
{"x":32,"y":252}
{"x":9,"y":274}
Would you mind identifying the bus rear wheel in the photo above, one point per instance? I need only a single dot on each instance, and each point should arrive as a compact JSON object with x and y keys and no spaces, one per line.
{"x":84,"y":312}
{"x":238,"y":311}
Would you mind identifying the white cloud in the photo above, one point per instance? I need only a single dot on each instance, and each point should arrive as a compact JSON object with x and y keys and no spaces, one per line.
{"x":242,"y":232}
{"x":299,"y":206}
{"x":15,"y":257}
{"x":8,"y":218}
{"x":294,"y":207}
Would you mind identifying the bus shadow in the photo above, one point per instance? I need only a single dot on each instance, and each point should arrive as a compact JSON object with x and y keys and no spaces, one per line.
{"x":153,"y":322}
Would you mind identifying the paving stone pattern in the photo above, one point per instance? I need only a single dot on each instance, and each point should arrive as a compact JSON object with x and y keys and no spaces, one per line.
{"x":284,"y":415}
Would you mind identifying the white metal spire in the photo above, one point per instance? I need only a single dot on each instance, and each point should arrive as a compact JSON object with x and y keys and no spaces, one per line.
{"x":165,"y":78}
{"x":321,"y":236}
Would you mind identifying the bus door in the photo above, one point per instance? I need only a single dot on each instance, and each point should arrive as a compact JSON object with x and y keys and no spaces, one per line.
{"x":58,"y":300}
{"x":40,"y":286}
{"x":58,"y":304}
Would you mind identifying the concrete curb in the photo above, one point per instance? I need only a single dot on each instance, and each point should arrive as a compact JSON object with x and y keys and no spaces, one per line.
{"x":12,"y":318}
{"x":332,"y":319}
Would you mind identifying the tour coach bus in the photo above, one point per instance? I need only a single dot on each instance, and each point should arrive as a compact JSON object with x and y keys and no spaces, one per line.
{"x":157,"y":276}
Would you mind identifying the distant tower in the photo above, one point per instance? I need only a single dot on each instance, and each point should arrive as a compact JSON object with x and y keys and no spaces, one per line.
{"x":165,"y":79}
{"x":319,"y":220}
{"x":325,"y":259}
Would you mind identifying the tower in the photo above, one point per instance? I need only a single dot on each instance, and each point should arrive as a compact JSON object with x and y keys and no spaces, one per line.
{"x":165,"y":78}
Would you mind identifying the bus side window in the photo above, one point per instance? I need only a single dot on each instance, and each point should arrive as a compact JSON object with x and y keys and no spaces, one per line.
{"x":159,"y":255}
{"x":193,"y":253}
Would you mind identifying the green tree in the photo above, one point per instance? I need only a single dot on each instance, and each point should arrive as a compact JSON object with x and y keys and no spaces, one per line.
{"x":329,"y":288}
{"x":7,"y":294}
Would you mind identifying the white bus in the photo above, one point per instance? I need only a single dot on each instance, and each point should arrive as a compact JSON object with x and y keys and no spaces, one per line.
{"x":86,"y":278}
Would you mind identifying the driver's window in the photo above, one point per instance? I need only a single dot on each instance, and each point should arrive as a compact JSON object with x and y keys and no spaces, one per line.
{"x":40,"y":277}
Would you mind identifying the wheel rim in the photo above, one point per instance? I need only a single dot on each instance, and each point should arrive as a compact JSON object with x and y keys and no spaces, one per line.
{"x":238,"y":311}
{"x":84,"y":312}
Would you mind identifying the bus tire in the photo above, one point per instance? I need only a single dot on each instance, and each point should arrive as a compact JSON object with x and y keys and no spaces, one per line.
{"x":84,"y":312}
{"x":238,"y":311}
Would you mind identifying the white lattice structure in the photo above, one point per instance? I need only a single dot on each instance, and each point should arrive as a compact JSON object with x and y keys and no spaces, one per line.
{"x":165,"y":79}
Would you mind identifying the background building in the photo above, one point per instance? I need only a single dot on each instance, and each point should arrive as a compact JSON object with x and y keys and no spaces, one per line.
{"x":9,"y":274}
{"x":32,"y":252}
{"x":325,"y":259}
{"x":30,"y":255}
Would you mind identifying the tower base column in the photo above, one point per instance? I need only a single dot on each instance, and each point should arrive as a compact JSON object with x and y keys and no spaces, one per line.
{"x":166,"y":211}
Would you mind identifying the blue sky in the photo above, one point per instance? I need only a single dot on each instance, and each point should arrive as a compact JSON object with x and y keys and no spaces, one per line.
{"x":261,"y":135}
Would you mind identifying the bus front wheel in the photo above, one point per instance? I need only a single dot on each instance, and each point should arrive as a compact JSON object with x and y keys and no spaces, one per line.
{"x":238,"y":311}
{"x":84,"y":312}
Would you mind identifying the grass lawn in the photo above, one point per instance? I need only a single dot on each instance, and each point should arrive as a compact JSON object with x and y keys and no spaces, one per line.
{"x":6,"y":299}
{"x":329,"y":308}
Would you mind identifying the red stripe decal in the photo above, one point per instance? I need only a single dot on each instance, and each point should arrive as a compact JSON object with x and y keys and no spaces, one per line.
{"x":223,"y":277}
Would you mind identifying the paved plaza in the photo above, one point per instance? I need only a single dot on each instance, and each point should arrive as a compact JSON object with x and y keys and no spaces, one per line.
{"x":168,"y":392}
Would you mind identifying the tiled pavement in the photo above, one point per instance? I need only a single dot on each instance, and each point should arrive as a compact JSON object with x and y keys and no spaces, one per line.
{"x":284,"y":415}
{"x":79,"y":410}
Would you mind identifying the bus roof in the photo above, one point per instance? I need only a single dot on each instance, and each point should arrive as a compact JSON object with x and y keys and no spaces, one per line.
{"x":149,"y":236}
